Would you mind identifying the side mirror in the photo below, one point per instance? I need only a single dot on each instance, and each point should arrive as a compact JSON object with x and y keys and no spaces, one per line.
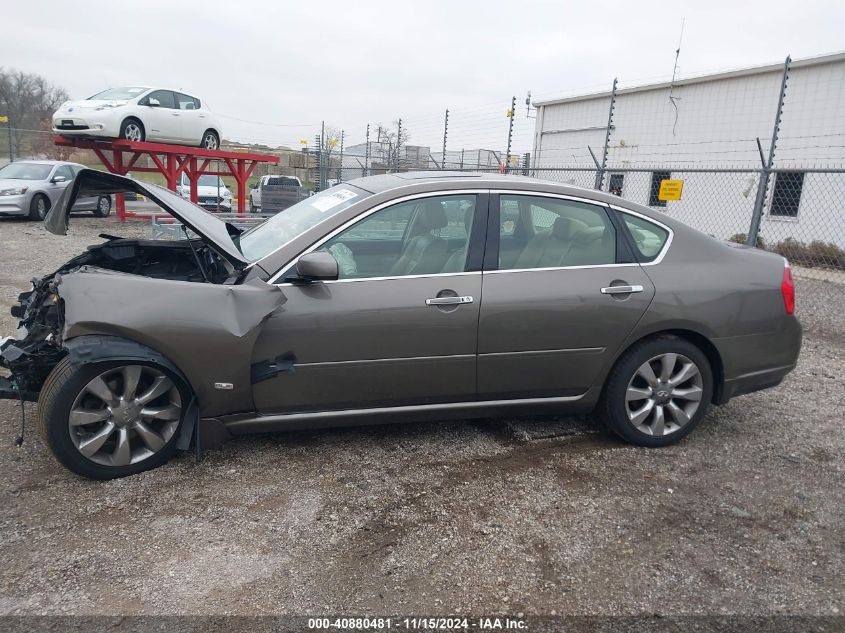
{"x":154,"y":103}
{"x":254,"y":185}
{"x":58,"y":179}
{"x":316,"y":266}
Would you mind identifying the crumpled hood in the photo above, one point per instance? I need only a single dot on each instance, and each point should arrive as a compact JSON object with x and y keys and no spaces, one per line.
{"x":91,"y":182}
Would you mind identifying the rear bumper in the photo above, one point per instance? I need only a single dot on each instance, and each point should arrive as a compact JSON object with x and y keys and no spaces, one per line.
{"x":754,"y":381}
{"x":758,"y":361}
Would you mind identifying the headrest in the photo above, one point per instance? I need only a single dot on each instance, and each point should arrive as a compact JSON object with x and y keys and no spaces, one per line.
{"x":586,"y":236}
{"x":564,"y":228}
{"x":432,"y":216}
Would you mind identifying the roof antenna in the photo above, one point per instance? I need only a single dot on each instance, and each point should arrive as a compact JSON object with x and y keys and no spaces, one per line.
{"x":674,"y":100}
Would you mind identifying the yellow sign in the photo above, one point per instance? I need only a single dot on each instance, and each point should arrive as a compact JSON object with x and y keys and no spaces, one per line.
{"x":4,"y":119}
{"x":303,"y":141}
{"x":670,"y":189}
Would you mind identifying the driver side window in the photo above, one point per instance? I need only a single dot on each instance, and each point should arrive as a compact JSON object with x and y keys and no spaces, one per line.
{"x":423,"y":236}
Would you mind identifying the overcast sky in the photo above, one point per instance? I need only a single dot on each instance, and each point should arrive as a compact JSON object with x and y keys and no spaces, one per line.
{"x":285,"y":66}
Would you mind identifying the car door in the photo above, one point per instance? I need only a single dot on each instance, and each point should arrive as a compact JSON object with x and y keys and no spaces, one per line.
{"x":399,"y":325}
{"x":161,"y":122}
{"x":191,"y":125}
{"x":554,"y":312}
{"x":56,"y":185}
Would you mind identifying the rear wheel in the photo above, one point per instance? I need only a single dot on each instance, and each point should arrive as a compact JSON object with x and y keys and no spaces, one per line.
{"x":103,"y":208}
{"x":252,"y":207}
{"x":657,"y":392}
{"x":132,"y":130}
{"x":38,"y":207}
{"x":210,"y":140}
{"x":111,"y":419}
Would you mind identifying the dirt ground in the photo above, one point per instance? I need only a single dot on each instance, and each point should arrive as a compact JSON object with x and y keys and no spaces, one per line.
{"x":533,"y":516}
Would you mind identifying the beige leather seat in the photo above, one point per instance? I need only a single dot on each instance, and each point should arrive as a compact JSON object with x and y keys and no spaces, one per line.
{"x":549,"y":250}
{"x":425,"y":253}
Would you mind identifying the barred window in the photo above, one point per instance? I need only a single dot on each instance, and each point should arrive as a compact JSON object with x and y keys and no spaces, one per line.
{"x":786,"y":196}
{"x":653,"y":195}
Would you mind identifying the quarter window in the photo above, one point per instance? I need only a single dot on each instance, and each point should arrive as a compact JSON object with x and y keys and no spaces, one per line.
{"x":649,"y":238}
{"x":418,"y":237}
{"x":786,"y":197}
{"x":563,"y":233}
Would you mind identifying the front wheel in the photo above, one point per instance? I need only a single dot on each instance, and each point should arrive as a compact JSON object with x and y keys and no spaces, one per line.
{"x":657,"y":392}
{"x":132,"y":130}
{"x":38,"y":207}
{"x":210,"y":140}
{"x":111,"y":419}
{"x":103,"y":208}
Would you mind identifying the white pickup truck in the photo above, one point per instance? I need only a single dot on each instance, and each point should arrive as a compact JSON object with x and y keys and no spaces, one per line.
{"x":273,"y":180}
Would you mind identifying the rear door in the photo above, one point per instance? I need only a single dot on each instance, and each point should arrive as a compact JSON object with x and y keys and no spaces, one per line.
{"x":399,"y":327}
{"x":191,"y":126}
{"x":558,"y":300}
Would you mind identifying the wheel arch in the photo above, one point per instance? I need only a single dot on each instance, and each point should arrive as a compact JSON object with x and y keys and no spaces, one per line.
{"x":697,"y":338}
{"x":92,"y":348}
{"x":132,"y":117}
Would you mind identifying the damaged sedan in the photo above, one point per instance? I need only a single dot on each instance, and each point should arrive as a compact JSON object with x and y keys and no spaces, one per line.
{"x":398,"y":297}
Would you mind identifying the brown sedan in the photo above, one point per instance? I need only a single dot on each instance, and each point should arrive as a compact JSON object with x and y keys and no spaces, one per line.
{"x":393,"y":298}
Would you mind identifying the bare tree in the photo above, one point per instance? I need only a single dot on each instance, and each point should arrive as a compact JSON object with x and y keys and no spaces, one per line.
{"x":390,"y":140}
{"x":29,"y":101}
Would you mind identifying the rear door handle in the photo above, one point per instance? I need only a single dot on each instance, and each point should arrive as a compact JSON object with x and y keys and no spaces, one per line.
{"x":448,"y":301}
{"x":621,"y":290}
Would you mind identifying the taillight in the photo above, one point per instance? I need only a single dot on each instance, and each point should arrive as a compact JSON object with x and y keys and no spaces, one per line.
{"x":787,"y":289}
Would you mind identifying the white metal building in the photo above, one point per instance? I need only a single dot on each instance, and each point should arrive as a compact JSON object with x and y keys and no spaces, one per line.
{"x":713,"y":121}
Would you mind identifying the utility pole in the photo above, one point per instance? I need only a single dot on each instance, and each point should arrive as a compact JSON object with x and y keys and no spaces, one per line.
{"x":510,"y":133}
{"x":8,"y":121}
{"x":398,"y":142}
{"x":340,"y":169}
{"x":600,"y":174}
{"x":366,"y":170}
{"x":445,"y":132}
{"x":765,"y":174}
{"x":322,"y":158}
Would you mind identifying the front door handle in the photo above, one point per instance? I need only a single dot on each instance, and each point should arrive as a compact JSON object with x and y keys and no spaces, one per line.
{"x":621,"y":290}
{"x":448,"y":301}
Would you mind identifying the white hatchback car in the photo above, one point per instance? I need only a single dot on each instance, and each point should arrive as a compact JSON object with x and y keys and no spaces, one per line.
{"x":140,"y":114}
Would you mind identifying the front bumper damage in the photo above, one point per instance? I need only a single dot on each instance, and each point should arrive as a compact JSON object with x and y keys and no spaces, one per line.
{"x":31,"y":356}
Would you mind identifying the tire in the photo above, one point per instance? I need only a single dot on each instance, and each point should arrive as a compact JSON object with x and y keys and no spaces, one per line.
{"x":252,"y":207}
{"x":686,"y":395}
{"x":103,"y":208}
{"x":39,"y":206}
{"x":66,"y":392}
{"x":210,"y":140}
{"x":132,"y":130}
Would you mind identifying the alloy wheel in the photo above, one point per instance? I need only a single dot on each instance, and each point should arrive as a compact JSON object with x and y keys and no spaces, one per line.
{"x":41,"y":205}
{"x":125,"y":415}
{"x":210,"y":141}
{"x":132,"y":132}
{"x":664,"y":394}
{"x":104,"y":206}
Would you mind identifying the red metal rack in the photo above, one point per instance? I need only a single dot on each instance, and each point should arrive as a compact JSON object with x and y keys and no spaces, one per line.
{"x":171,"y":161}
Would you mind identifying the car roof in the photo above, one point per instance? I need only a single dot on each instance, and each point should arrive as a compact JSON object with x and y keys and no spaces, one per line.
{"x":422,"y":181}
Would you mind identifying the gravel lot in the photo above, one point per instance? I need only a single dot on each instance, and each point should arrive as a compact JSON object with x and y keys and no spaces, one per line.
{"x":542,"y":516}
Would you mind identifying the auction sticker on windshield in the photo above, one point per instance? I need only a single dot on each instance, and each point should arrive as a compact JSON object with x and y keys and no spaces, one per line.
{"x":324,"y":203}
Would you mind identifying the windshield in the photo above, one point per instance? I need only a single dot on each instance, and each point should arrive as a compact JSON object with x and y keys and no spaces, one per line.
{"x":211,"y":181}
{"x":296,"y":220}
{"x":26,"y":171}
{"x":118,"y":94}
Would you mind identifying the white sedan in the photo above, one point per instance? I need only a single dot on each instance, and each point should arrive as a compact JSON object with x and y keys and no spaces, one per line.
{"x":140,"y":114}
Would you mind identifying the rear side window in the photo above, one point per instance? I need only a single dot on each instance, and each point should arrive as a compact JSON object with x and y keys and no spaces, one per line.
{"x":649,"y":238}
{"x":565,"y":233}
{"x":186,"y":102}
